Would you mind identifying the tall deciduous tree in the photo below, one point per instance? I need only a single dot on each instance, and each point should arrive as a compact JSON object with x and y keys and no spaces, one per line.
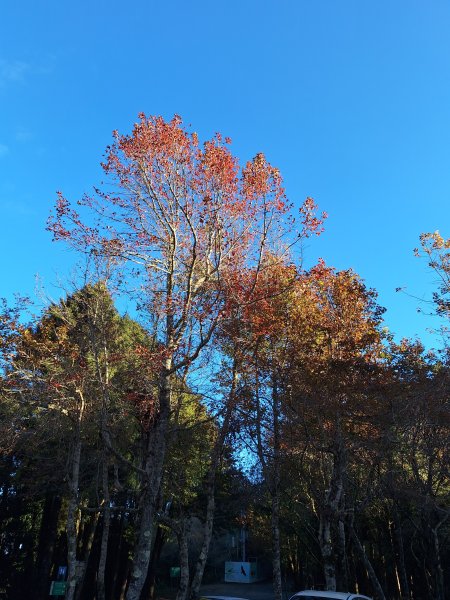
{"x":336,"y":343}
{"x":183,"y":221}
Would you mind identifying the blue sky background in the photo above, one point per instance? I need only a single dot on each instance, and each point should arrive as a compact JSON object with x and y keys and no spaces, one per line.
{"x":349,"y":98}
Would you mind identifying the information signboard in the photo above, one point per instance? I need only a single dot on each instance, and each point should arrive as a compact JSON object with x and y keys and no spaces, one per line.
{"x":175,"y":571}
{"x":58,"y":588}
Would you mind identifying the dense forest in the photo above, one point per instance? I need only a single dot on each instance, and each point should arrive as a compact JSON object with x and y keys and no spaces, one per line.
{"x":242,"y":392}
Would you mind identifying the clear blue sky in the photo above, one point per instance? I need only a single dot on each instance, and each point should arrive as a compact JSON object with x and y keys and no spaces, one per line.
{"x":349,"y":98}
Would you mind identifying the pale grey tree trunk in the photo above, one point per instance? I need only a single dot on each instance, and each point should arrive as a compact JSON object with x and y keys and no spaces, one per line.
{"x":368,"y":565}
{"x":210,"y":488}
{"x":206,"y":541}
{"x":330,"y":513}
{"x":326,"y":550}
{"x":342,"y":575}
{"x":154,"y":463}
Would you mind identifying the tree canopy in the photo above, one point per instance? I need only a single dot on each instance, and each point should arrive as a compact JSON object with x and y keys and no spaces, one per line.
{"x":245,"y":392}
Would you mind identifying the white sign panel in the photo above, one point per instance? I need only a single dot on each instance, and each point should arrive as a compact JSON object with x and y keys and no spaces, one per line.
{"x":240,"y":572}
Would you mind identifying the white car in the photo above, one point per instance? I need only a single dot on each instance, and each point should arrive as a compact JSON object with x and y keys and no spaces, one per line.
{"x":319,"y":595}
{"x":208,"y":597}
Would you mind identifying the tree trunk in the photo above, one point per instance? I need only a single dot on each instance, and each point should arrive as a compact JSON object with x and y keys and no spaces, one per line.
{"x":207,"y":535}
{"x":120,"y":555}
{"x":180,"y":528}
{"x":329,"y":514}
{"x":397,"y":535}
{"x":276,"y":551}
{"x":210,"y":489}
{"x":326,"y":549}
{"x":183,"y":588}
{"x":342,"y":576}
{"x":368,"y":565}
{"x":47,"y":539}
{"x":106,"y":520}
{"x":154,"y":463}
{"x":275,"y":492}
{"x":72,"y":530}
{"x":73,"y":511}
{"x":439,"y":572}
{"x":85,"y":552}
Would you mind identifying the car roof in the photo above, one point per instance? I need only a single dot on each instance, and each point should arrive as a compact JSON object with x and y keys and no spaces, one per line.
{"x":331,"y":595}
{"x":208,"y":597}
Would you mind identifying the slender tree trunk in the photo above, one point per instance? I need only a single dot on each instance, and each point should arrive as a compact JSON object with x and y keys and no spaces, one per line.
{"x":106,"y":521}
{"x":72,"y":510}
{"x":85,"y":554}
{"x":368,"y":565}
{"x":181,"y":529}
{"x":276,"y":549}
{"x":329,"y":515}
{"x":154,"y":464}
{"x":270,"y":463}
{"x":342,"y":577}
{"x":158,"y":544}
{"x":125,"y":581}
{"x":99,"y":345}
{"x":210,"y":489}
{"x":397,"y":536}
{"x":439,"y":572}
{"x":326,"y":549}
{"x":183,"y":588}
{"x":47,"y":539}
{"x":72,"y":524}
{"x":275,"y":492}
{"x":207,"y":536}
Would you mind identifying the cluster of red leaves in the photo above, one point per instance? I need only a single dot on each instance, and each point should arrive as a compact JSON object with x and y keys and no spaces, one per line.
{"x":167,"y":187}
{"x":145,"y":407}
{"x":263,"y":296}
{"x":311,"y":223}
{"x":261,"y":180}
{"x":209,"y":240}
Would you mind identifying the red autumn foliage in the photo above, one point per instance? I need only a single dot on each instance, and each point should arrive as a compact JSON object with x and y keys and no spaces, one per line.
{"x":193,"y":224}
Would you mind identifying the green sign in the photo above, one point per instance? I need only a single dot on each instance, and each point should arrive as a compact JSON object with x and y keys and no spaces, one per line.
{"x":175,"y":571}
{"x":58,"y":588}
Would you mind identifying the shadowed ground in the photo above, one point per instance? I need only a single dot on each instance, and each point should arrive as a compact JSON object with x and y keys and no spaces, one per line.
{"x":252,"y":591}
